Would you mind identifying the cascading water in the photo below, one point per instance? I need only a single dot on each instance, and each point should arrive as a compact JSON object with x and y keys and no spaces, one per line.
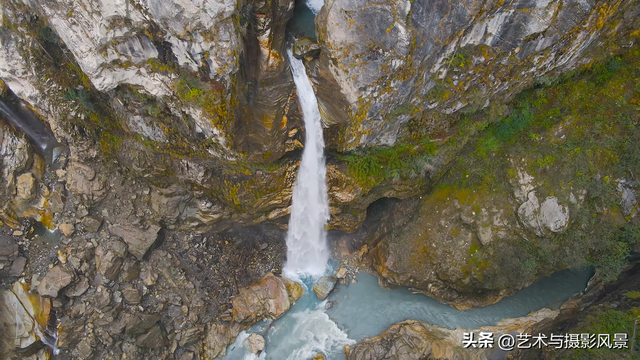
{"x":315,"y":5}
{"x":362,"y":309}
{"x":307,"y":250}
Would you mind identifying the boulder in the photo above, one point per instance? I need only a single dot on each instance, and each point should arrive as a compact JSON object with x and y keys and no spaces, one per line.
{"x":545,"y":217}
{"x":294,"y":289}
{"x":83,"y":181}
{"x":132,"y":295}
{"x":139,"y":240}
{"x":267,"y":298}
{"x":324,"y":287}
{"x":191,"y":335}
{"x":130,"y":270}
{"x":56,"y":279}
{"x":78,"y":289}
{"x":218,"y":337}
{"x":25,"y":187}
{"x":407,"y":340}
{"x":306,"y":48}
{"x":152,"y":339}
{"x":148,"y":277}
{"x":17,"y":267}
{"x":8,"y":251}
{"x":554,"y":216}
{"x":91,"y":224}
{"x":139,"y":323}
{"x":67,"y":229}
{"x":109,"y":257}
{"x":255,"y":343}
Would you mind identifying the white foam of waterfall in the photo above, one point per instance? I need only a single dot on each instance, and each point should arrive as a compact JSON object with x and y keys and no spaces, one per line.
{"x":315,"y":5}
{"x":316,"y":333}
{"x":307,"y":249}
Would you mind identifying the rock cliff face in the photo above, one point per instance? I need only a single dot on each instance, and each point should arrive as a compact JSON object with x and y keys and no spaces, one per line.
{"x":410,"y":61}
{"x":183,"y":129}
{"x":197,"y":100}
{"x":549,"y":187}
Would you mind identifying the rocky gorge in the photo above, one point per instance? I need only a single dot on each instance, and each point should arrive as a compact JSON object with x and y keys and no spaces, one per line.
{"x":472,"y":148}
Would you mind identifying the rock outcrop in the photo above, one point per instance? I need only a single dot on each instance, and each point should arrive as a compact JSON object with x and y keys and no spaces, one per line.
{"x":401,"y":61}
{"x":411,"y":339}
{"x":324,"y":286}
{"x":268,"y":298}
{"x":56,"y":279}
{"x":138,"y":240}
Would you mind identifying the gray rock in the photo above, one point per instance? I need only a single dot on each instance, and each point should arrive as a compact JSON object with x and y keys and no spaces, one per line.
{"x":169,"y":203}
{"x":148,"y":277}
{"x":85,"y":348}
{"x":57,"y":198}
{"x":191,"y":335}
{"x":91,"y":224}
{"x":187,"y":355}
{"x":8,"y":251}
{"x":152,"y":339}
{"x":255,"y":343}
{"x":540,"y":218}
{"x":132,"y":295}
{"x":324,"y":287}
{"x":139,"y":240}
{"x":83,"y":182}
{"x":139,"y":323}
{"x":629,"y":200}
{"x":528,"y":214}
{"x":56,"y":279}
{"x":554,"y":216}
{"x":306,"y":48}
{"x":79,"y":288}
{"x":101,"y":299}
{"x":130,"y":270}
{"x":15,"y":154}
{"x":109,"y":258}
{"x":17,"y":267}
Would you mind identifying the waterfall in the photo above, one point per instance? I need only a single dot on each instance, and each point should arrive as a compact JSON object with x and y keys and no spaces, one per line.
{"x":307,"y":250}
{"x":23,"y":119}
{"x":315,"y":5}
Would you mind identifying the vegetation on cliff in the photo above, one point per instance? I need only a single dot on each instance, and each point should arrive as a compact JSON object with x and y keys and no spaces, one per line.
{"x":578,"y":134}
{"x":547,"y":186}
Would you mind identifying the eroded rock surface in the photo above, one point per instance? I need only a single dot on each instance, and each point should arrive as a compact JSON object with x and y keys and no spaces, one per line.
{"x":412,"y":52}
{"x":411,"y":339}
{"x":268,"y":298}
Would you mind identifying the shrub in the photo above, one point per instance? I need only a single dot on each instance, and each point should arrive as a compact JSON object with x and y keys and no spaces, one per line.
{"x":372,"y":166}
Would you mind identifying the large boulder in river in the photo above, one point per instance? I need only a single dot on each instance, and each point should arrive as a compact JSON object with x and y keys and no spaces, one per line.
{"x":324,"y":287}
{"x":255,"y":343}
{"x":267,"y":298}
